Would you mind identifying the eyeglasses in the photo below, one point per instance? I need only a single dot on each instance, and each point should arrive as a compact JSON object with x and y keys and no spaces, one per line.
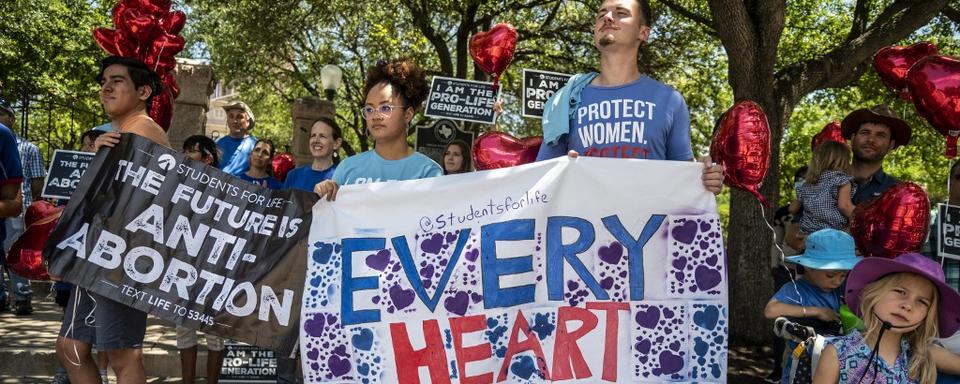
{"x":385,"y":110}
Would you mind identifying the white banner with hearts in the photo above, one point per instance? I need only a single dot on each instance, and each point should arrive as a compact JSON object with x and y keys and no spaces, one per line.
{"x":574,"y":270}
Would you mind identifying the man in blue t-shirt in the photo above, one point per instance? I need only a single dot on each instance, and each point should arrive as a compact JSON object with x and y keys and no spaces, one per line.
{"x":236,"y":146}
{"x":620,"y":112}
{"x":11,"y":199}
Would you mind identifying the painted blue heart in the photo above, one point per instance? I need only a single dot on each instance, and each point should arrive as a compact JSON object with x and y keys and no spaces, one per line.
{"x":323,"y":252}
{"x":364,"y":369}
{"x":523,"y":367}
{"x":700,"y":347}
{"x":707,"y":318}
{"x":363,"y":340}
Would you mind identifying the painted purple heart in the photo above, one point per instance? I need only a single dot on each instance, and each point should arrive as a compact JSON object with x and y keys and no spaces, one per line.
{"x":707,"y":277}
{"x":313,"y":354}
{"x":607,"y":282}
{"x":572,"y":285}
{"x":315,"y":325}
{"x":341,"y":350}
{"x":643,"y":346}
{"x":471,"y":267}
{"x":611,"y":254}
{"x":667,"y":313}
{"x":670,"y":363}
{"x":705,"y":226}
{"x":476,"y":297}
{"x":704,"y":244}
{"x":379,"y":260}
{"x":451,"y":236}
{"x":402,"y":298}
{"x":338,"y":367}
{"x":648,"y":318}
{"x":426,"y":272}
{"x":675,"y":346}
{"x":472,"y":254}
{"x":686,"y":232}
{"x":433,"y":244}
{"x":712,"y":260}
{"x":457,"y":303}
{"x":679,"y":263}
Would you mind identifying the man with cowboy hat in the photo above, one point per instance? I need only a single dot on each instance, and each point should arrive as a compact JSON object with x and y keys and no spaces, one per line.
{"x":872,"y":134}
{"x":238,"y":144}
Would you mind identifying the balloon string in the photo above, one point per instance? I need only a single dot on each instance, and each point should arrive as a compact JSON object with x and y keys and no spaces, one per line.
{"x":156,"y":63}
{"x":496,"y":116}
{"x":783,"y":257}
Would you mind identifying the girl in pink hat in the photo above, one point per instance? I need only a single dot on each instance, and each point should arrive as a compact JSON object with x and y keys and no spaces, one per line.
{"x":904,"y":303}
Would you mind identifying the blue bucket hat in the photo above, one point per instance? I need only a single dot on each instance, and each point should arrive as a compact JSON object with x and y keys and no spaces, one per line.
{"x":828,"y":249}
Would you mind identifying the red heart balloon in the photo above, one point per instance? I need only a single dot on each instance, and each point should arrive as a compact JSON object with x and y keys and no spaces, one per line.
{"x":170,"y":82}
{"x":830,"y":132}
{"x":25,"y":257}
{"x":741,"y":144}
{"x":155,"y":7}
{"x":161,"y":109}
{"x":139,"y":28}
{"x":282,"y":164}
{"x":892,"y":64}
{"x":494,"y":150}
{"x":934,"y":83}
{"x":174,"y":22}
{"x":165,"y":45}
{"x":493,"y":50}
{"x":892,"y":224}
{"x":114,"y":43}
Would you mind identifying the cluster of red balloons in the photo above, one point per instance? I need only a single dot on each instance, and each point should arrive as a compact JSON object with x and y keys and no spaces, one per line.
{"x":931,"y":81}
{"x":148,"y":31}
{"x":25,"y":256}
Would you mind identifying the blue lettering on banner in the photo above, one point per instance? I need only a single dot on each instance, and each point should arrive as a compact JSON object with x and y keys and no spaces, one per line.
{"x":352,"y":284}
{"x":493,"y":268}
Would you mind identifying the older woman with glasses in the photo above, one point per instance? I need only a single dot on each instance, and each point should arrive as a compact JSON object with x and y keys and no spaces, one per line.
{"x":395,"y":90}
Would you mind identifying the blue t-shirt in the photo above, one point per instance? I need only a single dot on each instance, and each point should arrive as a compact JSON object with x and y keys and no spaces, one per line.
{"x":645,"y":119}
{"x":369,"y":167}
{"x":236,"y":154}
{"x":11,"y":171}
{"x":268,"y":181}
{"x":305,"y":178}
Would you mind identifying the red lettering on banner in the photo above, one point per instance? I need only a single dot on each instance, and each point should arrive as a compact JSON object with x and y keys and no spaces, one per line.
{"x":613,"y":328}
{"x":532,"y":343}
{"x":566,"y":351}
{"x":459,"y":326}
{"x":431,"y":356}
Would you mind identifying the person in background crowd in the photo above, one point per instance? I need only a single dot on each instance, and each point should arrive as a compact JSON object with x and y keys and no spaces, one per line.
{"x":11,"y":198}
{"x":202,"y":149}
{"x":824,"y":196}
{"x":261,"y":166}
{"x":88,"y":139}
{"x":456,"y":158}
{"x":325,"y":140}
{"x":236,"y":147}
{"x":33,"y":172}
{"x":394,"y":90}
{"x":127,"y":88}
{"x":653,"y":117}
{"x":872,"y":133}
{"x":951,"y":267}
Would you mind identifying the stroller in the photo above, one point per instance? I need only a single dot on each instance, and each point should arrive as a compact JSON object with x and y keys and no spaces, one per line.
{"x":810,"y":336}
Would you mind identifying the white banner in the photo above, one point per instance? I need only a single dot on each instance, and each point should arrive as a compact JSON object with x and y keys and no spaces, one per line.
{"x":575,"y":270}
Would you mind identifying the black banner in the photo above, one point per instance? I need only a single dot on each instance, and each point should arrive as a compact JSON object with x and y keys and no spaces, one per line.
{"x":458,"y":99}
{"x":538,"y":87}
{"x":432,"y":140}
{"x":150,"y":228}
{"x":66,"y":169}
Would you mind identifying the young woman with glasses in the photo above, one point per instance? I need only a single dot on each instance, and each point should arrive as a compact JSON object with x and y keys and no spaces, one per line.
{"x":394,"y":91}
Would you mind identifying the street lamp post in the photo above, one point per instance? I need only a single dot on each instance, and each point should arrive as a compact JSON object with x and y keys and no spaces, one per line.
{"x":330,"y":77}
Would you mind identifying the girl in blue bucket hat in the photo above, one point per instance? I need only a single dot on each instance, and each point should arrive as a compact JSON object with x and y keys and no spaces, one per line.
{"x":827,"y":258}
{"x":904,"y":303}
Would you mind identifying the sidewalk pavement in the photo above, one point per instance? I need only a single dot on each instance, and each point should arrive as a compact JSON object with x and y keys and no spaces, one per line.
{"x":27,"y":345}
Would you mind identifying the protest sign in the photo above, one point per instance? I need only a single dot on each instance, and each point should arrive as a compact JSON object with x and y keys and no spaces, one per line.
{"x":520,"y":274}
{"x":247,"y":364}
{"x":64,"y":173}
{"x":948,"y":225}
{"x":458,"y":99}
{"x":152,"y":229}
{"x":433,"y":139}
{"x":538,"y":87}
